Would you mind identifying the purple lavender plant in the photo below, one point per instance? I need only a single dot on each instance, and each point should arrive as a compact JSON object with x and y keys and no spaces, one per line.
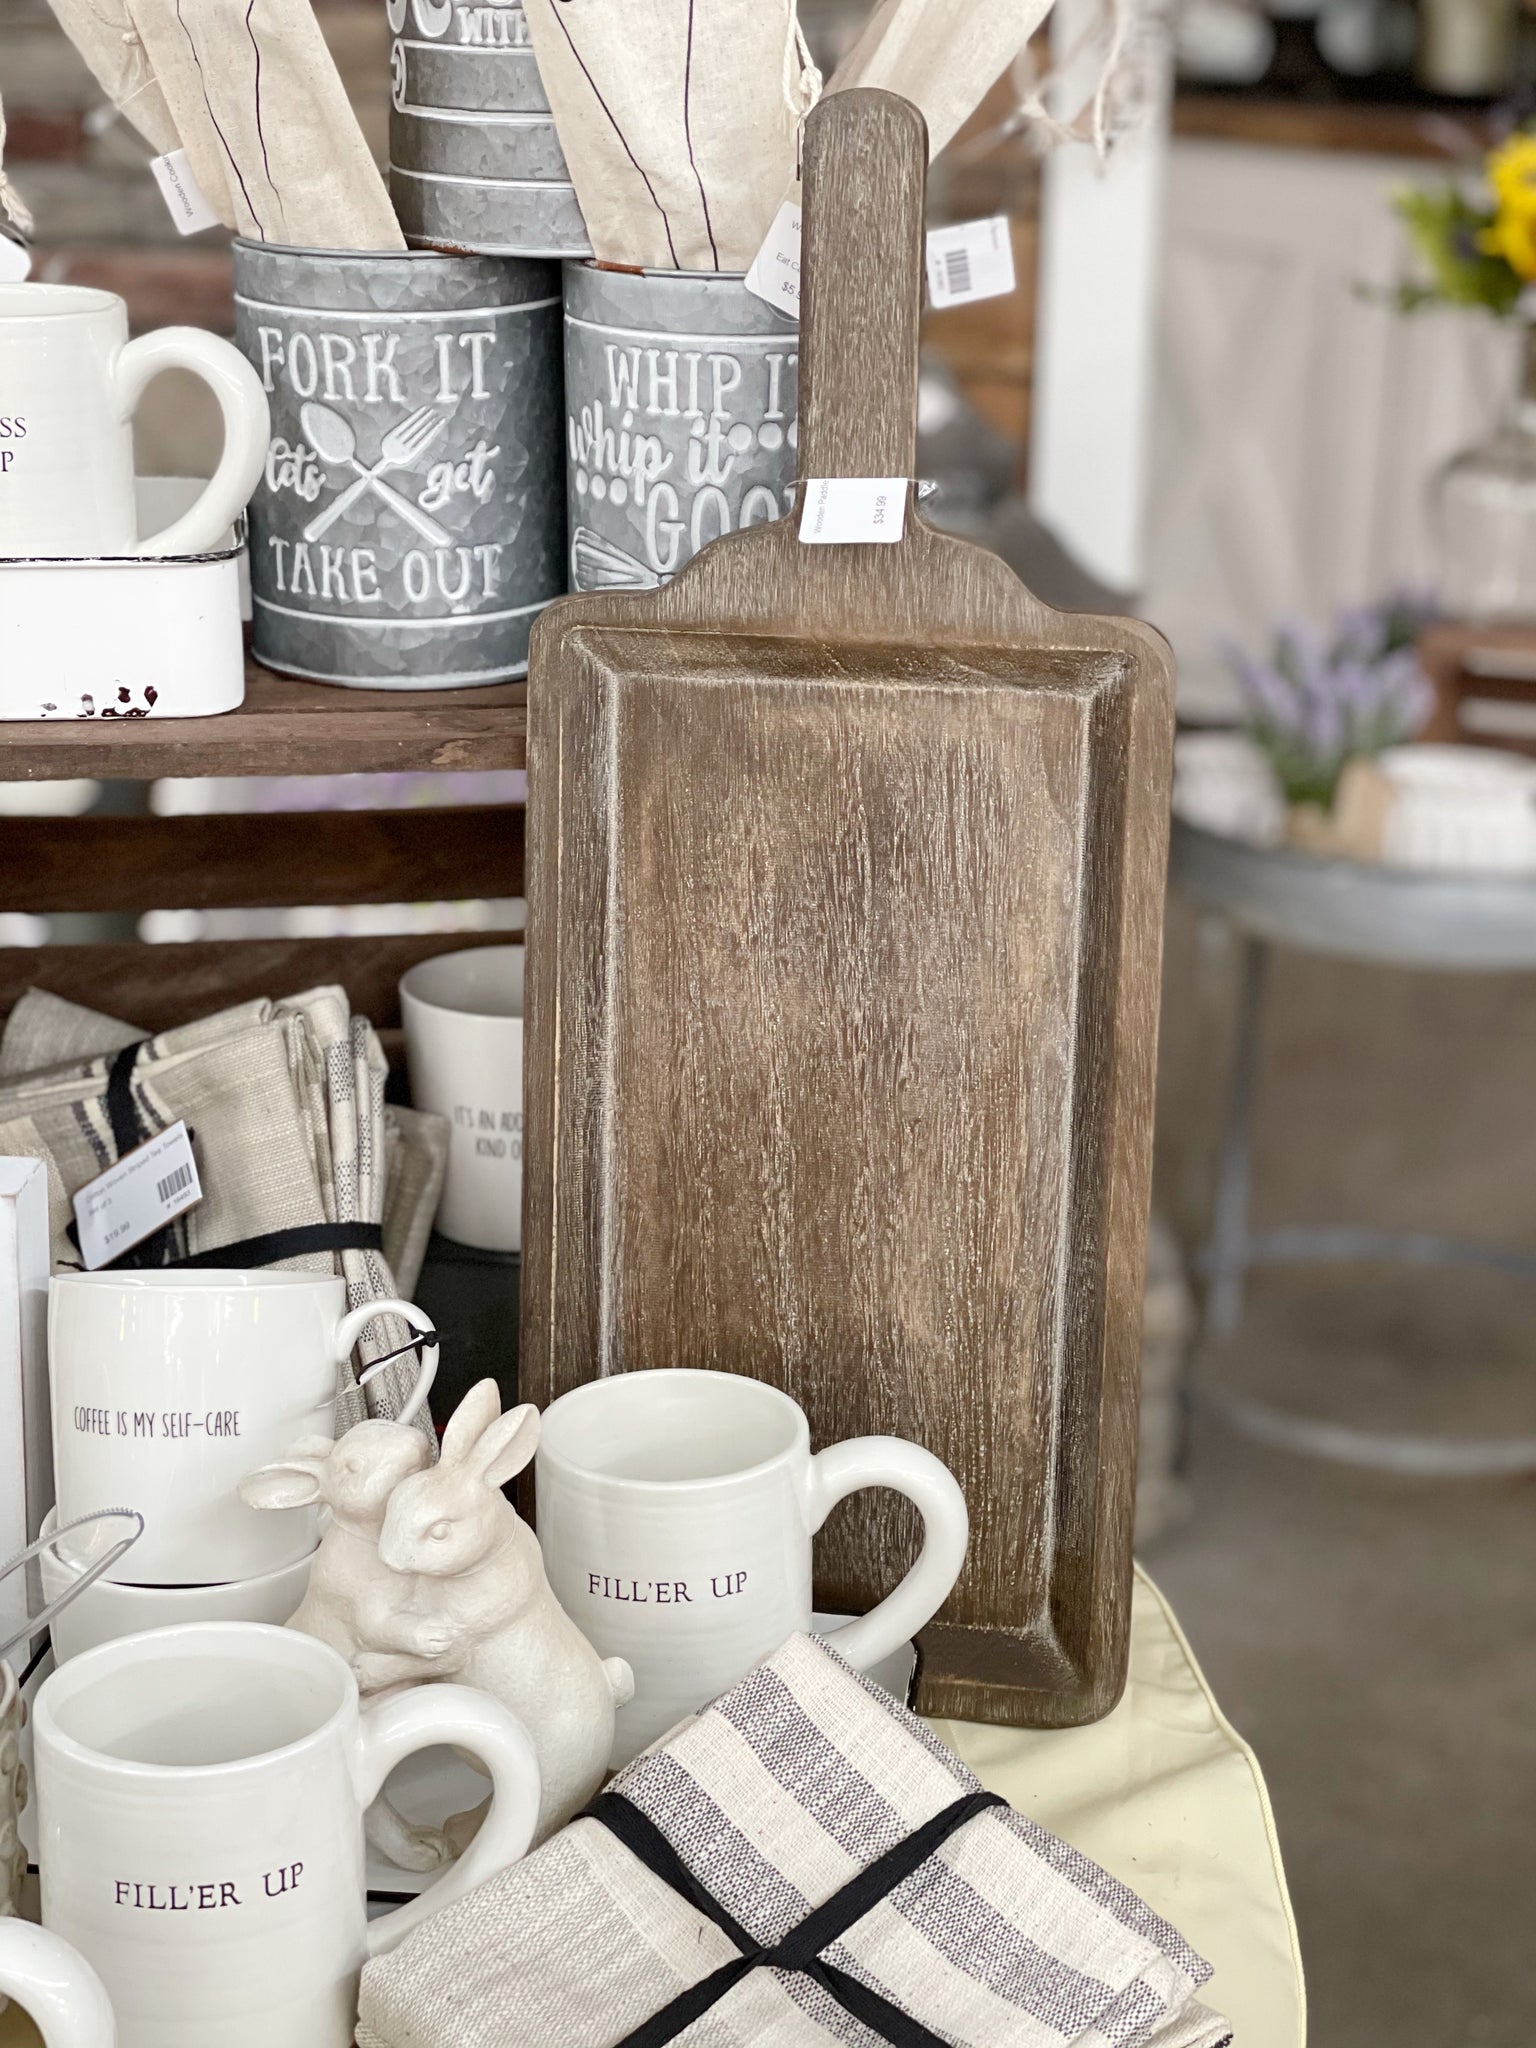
{"x":1321,"y":700}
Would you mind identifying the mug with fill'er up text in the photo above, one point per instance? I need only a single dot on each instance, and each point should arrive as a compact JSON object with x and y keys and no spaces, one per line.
{"x":676,"y":1511}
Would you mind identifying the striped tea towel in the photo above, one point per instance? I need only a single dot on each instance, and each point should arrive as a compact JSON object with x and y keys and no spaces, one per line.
{"x":285,"y":1101}
{"x":774,"y":1799}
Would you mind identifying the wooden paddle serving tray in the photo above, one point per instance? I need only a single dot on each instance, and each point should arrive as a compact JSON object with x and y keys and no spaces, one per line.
{"x":845,"y":878}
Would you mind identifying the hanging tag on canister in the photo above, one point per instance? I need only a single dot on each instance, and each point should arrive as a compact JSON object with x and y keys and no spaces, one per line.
{"x":185,"y":199}
{"x":775,"y":273}
{"x":973,"y":260}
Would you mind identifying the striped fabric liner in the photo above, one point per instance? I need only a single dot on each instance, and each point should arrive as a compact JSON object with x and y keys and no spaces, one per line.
{"x":774,"y":1797}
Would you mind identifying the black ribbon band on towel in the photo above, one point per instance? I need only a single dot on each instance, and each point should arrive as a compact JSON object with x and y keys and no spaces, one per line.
{"x":130,"y":1130}
{"x":800,"y":1949}
{"x":294,"y":1243}
{"x":265,"y":1250}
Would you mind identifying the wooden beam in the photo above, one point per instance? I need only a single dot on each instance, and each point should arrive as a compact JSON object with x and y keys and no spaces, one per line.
{"x":156,"y":987}
{"x":284,"y":727}
{"x":161,"y":287}
{"x":1442,"y":131}
{"x":262,"y":860}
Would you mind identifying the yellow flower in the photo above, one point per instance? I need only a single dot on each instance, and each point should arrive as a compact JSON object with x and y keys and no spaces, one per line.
{"x":1513,"y":236}
{"x":1512,"y":174}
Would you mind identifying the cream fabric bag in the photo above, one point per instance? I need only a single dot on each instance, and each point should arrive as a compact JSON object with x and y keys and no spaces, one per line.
{"x":104,"y":34}
{"x":942,"y":55}
{"x":678,"y":120}
{"x":251,"y":93}
{"x":12,"y":205}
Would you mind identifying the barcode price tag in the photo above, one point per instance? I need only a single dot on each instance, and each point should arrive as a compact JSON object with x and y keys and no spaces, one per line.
{"x":185,"y":199}
{"x":854,"y":508}
{"x":775,"y":272}
{"x":145,"y":1190}
{"x":970,"y":262}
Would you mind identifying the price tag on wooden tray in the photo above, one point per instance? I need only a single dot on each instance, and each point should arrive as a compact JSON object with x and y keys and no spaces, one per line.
{"x":871,"y":509}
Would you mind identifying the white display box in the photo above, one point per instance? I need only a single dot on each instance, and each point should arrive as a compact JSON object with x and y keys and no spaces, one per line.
{"x":130,"y":636}
{"x":26,"y":1453}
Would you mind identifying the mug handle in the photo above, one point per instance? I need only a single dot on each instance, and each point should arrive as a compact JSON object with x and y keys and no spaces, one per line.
{"x":56,"y":1986}
{"x":457,"y":1714}
{"x":352,"y":1326}
{"x":932,"y":1488}
{"x":247,"y":424}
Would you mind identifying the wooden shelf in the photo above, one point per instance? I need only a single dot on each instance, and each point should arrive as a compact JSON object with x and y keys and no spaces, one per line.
{"x":284,"y":728}
{"x":260,"y":860}
{"x":158,"y":987}
{"x":1430,"y":131}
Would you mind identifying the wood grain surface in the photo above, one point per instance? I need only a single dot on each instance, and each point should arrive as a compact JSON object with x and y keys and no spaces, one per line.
{"x":260,"y":860}
{"x":845,"y":872}
{"x":161,"y":986}
{"x":284,"y":727}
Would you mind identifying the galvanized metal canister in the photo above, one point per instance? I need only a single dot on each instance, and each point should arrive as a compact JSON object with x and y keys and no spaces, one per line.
{"x":680,"y":399}
{"x":410,"y":525}
{"x":475,"y":162}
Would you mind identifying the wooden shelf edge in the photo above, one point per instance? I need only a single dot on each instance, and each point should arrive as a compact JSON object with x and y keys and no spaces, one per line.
{"x":284,"y":727}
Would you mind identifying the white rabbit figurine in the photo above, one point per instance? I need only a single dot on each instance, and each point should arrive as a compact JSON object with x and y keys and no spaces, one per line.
{"x":482,"y":1611}
{"x":350,"y":1592}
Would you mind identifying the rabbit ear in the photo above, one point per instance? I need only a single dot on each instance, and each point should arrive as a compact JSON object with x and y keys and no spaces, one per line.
{"x":507,"y":1445}
{"x":295,"y":1483}
{"x":480,"y":1407}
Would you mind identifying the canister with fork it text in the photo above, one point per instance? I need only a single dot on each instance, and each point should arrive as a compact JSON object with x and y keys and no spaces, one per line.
{"x":409,"y":526}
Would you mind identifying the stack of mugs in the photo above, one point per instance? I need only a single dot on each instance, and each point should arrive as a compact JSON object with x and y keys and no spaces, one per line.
{"x":168,"y":1388}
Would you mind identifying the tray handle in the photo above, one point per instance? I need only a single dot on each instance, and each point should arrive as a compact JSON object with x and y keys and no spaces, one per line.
{"x":866,"y":168}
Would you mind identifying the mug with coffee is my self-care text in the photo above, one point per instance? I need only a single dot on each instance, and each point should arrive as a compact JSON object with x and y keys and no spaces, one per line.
{"x":170,"y":1385}
{"x":676,"y":1511}
{"x":69,"y":381}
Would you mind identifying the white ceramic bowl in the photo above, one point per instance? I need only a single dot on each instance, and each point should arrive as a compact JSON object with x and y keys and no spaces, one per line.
{"x":103,"y":1612}
{"x":1460,"y":809}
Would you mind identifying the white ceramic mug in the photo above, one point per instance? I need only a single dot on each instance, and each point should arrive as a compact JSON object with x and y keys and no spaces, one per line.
{"x":69,"y":381}
{"x":676,"y":1511}
{"x":55,"y":1986}
{"x":200,"y":1796}
{"x":464,"y":1050}
{"x":108,"y":1608}
{"x":169,"y":1386}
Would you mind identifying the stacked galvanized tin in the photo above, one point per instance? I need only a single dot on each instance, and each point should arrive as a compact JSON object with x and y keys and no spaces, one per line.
{"x":475,"y":163}
{"x":679,"y":386}
{"x":411,"y":523}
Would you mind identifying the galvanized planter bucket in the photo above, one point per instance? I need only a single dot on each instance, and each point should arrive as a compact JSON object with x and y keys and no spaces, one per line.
{"x":475,"y":163}
{"x":410,"y":526}
{"x":680,"y":399}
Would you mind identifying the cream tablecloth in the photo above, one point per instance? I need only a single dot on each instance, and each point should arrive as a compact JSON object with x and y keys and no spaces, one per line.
{"x":1166,"y":1795}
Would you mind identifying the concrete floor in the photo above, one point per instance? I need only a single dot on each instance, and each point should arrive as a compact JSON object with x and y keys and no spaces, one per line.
{"x":1375,"y":1638}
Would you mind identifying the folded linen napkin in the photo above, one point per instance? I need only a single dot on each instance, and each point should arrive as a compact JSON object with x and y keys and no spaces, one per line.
{"x":774,"y":1799}
{"x":286,"y":1104}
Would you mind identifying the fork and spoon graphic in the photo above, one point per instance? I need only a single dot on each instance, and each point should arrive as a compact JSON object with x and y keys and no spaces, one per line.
{"x":332,"y":438}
